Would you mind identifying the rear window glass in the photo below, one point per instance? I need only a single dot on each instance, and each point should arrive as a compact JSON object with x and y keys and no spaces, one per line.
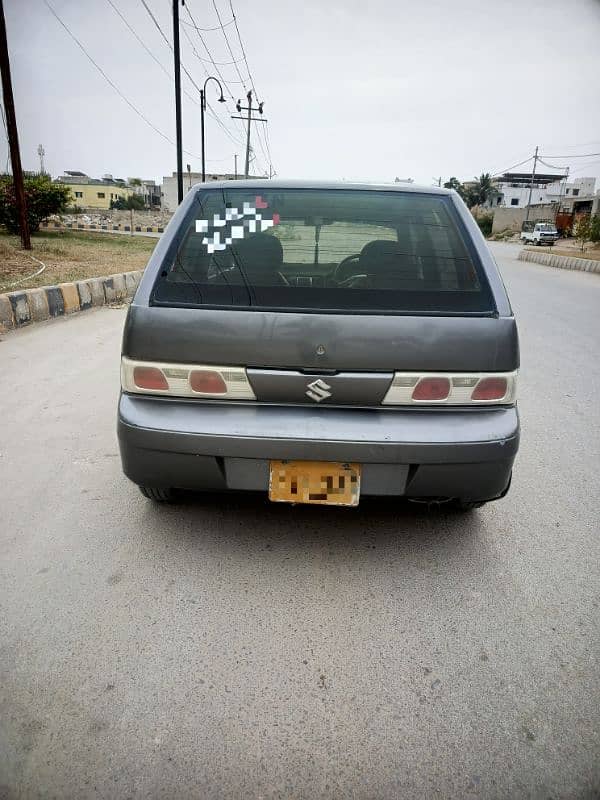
{"x":314,"y":250}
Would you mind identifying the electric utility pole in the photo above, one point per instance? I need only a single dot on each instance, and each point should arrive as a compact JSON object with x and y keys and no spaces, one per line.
{"x":177,"y":65}
{"x":535,"y":159}
{"x":249,"y":119}
{"x":41,"y":153}
{"x":13,"y":137}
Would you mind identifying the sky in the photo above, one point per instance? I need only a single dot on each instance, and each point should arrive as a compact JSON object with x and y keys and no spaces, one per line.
{"x":352,"y":90}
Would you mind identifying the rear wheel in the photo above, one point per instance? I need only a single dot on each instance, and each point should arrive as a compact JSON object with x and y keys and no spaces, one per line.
{"x":158,"y":495}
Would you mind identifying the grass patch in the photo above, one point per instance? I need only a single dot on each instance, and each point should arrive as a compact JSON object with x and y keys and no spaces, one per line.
{"x":70,"y":256}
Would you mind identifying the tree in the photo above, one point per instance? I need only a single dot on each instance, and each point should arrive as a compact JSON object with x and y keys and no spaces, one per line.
{"x":132,"y":203}
{"x":481,"y":190}
{"x":43,"y":197}
{"x":582,"y":230}
{"x":454,"y":183}
{"x":135,"y":181}
{"x":595,"y":228}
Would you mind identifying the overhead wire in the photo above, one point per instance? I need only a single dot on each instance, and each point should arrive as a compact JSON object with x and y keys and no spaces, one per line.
{"x":551,"y":166}
{"x":224,"y":32}
{"x":111,"y":83}
{"x":578,"y":155}
{"x":251,"y":78}
{"x":207,"y":30}
{"x":166,"y":39}
{"x":261,"y":136}
{"x":149,"y":51}
{"x":226,"y":83}
{"x":508,"y":169}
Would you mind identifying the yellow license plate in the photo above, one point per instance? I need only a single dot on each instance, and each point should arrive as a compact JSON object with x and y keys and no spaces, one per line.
{"x":325,"y":482}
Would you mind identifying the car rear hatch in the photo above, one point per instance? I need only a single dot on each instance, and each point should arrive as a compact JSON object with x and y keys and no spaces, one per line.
{"x":322,"y":296}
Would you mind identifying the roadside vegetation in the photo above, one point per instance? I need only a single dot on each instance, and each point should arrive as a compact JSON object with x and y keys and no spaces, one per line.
{"x":70,"y":256}
{"x":43,"y":196}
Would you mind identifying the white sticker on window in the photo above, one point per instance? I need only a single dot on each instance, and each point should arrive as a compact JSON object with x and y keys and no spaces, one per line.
{"x":221,"y":232}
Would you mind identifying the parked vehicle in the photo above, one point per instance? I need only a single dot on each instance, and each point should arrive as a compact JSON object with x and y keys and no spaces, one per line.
{"x":539,"y":233}
{"x":321,"y":342}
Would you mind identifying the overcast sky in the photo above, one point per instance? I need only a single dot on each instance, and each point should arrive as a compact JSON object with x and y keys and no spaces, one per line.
{"x":352,"y":89}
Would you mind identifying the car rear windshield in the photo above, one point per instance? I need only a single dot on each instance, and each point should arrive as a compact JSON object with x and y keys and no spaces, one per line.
{"x":323,"y":249}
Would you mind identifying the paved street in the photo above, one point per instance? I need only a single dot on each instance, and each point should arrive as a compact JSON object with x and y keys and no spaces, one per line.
{"x":229,"y":648}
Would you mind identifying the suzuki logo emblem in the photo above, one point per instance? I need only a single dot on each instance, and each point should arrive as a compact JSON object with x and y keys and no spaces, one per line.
{"x":318,"y":390}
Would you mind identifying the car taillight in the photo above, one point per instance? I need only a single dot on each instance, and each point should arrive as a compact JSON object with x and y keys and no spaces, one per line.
{"x":150,"y":378}
{"x":454,"y":389}
{"x":185,"y":380}
{"x":490,"y":389}
{"x":206,"y":381}
{"x":431,"y":390}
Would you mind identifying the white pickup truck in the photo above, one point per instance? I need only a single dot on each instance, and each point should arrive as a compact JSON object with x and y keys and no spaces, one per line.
{"x":539,"y":233}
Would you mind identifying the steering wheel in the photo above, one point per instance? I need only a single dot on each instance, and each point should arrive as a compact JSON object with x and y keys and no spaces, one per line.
{"x":339,"y":272}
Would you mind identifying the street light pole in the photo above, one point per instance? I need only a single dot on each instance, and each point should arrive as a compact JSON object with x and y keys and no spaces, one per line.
{"x":202,"y":110}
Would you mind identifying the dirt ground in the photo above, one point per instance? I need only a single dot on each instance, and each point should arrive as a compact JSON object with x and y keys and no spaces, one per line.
{"x":570,"y":248}
{"x":70,"y":256}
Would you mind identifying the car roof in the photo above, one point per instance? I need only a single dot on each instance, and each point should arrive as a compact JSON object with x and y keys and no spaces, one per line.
{"x":284,"y":183}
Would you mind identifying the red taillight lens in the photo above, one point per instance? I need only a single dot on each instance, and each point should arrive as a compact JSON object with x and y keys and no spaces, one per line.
{"x":149,"y":378}
{"x":207,"y":382}
{"x":490,"y":389}
{"x":431,"y":389}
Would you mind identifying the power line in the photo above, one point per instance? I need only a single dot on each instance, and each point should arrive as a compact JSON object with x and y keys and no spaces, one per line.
{"x":216,"y":64}
{"x":226,"y":130}
{"x":579,"y":155}
{"x":224,"y":32}
{"x":551,"y":166}
{"x":111,"y":83}
{"x":265,"y":134}
{"x":508,"y":169}
{"x":217,"y":28}
{"x":243,"y":50}
{"x":212,"y":61}
{"x":186,"y":71}
{"x":149,"y":51}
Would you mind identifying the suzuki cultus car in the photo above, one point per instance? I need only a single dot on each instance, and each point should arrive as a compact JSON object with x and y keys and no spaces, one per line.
{"x":321,"y":342}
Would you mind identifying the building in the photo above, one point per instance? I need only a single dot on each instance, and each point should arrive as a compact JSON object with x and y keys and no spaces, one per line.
{"x":513,"y":189}
{"x":94,"y":192}
{"x":148,"y":190}
{"x":169,"y":186}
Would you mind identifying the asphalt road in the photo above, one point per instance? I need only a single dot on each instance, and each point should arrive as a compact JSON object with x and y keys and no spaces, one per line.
{"x":229,"y":648}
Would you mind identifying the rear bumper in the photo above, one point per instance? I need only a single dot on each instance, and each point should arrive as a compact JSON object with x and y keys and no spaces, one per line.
{"x":419,"y":453}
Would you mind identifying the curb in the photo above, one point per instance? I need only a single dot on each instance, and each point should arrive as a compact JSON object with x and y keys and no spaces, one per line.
{"x":560,"y":262}
{"x":25,"y":306}
{"x":76,"y":226}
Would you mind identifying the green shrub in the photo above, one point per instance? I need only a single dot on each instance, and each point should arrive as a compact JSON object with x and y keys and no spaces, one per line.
{"x":595,"y":228}
{"x":485,"y":223}
{"x":43,"y":198}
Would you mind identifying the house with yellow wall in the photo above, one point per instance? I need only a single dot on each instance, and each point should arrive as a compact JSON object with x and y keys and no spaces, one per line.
{"x":97,"y":193}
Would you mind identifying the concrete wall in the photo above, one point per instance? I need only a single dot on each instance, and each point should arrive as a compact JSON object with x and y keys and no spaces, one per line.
{"x":513,"y":218}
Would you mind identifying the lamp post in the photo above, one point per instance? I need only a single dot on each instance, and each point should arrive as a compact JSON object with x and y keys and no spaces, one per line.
{"x":202,"y":110}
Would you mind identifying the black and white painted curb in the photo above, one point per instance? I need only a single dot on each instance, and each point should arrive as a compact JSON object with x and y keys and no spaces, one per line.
{"x":77,"y":226}
{"x":561,"y":262}
{"x":22,"y":307}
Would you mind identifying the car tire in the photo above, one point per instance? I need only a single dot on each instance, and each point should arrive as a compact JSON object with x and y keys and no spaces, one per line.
{"x":465,"y":506}
{"x":158,"y":495}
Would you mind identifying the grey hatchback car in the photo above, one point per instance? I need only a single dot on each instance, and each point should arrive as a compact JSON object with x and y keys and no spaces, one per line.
{"x":319,"y":342}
